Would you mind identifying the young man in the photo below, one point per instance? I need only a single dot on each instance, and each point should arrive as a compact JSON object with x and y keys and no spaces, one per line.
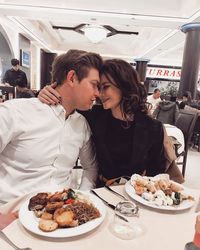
{"x":39,"y":144}
{"x":15,"y":73}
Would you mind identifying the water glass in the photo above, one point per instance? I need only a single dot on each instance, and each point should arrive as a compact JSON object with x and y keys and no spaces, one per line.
{"x":126,"y":224}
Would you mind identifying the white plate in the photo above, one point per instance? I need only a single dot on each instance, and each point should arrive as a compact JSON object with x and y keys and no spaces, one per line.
{"x":183,"y":205}
{"x":30,"y":221}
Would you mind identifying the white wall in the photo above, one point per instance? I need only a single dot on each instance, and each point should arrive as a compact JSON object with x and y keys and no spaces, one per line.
{"x":35,"y":66}
{"x":12,"y":33}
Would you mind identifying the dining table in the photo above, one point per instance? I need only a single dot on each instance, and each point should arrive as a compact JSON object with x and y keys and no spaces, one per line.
{"x":164,"y":230}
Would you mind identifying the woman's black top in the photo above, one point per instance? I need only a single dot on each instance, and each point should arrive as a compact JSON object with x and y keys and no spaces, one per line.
{"x":119,"y":144}
{"x":125,"y":151}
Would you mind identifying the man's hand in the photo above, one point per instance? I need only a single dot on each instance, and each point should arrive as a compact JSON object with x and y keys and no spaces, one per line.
{"x":6,"y":219}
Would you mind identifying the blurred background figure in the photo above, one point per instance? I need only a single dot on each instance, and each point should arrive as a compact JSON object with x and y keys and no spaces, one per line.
{"x":22,"y":90}
{"x":1,"y":96}
{"x":154,"y":99}
{"x":14,"y":74}
{"x":186,"y":100}
{"x":166,"y":112}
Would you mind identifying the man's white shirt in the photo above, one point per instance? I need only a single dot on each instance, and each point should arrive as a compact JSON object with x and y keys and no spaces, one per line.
{"x":39,"y":147}
{"x":154,"y":102}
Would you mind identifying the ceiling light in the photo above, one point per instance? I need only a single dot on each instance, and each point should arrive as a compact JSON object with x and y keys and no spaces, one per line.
{"x":95,"y":33}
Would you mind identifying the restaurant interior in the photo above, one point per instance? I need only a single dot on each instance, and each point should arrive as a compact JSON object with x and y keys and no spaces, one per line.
{"x":161,"y":40}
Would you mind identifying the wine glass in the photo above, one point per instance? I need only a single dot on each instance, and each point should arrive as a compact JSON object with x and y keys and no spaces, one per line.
{"x":126,"y":224}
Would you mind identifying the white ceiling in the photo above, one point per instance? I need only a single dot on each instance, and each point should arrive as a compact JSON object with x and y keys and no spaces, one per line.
{"x":157,"y":21}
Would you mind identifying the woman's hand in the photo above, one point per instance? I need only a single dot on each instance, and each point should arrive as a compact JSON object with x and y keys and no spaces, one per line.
{"x":6,"y":219}
{"x":49,"y":95}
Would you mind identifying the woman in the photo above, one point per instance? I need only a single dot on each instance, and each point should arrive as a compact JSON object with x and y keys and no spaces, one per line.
{"x":127,"y":140}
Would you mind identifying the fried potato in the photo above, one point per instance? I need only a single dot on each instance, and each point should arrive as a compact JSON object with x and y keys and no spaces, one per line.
{"x":47,"y":216}
{"x":48,"y":225}
{"x":64,"y":218}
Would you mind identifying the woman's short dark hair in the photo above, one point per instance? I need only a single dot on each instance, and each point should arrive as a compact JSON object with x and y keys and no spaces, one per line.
{"x":78,"y":60}
{"x":125,"y":78}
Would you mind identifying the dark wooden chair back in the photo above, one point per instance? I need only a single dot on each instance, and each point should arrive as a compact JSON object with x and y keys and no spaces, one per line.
{"x":185,"y":122}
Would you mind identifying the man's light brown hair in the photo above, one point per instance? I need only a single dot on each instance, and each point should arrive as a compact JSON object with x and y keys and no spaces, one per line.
{"x":78,"y":60}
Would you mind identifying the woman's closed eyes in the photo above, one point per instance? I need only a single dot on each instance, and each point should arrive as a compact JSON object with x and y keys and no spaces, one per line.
{"x":104,"y":87}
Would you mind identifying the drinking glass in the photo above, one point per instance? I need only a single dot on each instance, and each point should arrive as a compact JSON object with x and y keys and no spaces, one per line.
{"x":126,"y":224}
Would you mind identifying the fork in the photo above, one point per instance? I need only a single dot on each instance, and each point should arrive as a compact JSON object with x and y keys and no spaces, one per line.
{"x":5,"y":237}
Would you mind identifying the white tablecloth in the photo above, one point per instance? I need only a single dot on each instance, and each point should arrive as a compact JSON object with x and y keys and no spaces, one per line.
{"x":164,"y":231}
{"x":177,"y":133}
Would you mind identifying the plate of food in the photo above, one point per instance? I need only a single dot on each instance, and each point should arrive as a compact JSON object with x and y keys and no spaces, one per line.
{"x":159,"y":192}
{"x":62,"y":214}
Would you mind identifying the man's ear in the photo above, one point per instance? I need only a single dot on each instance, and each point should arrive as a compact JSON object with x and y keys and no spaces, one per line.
{"x":70,"y":76}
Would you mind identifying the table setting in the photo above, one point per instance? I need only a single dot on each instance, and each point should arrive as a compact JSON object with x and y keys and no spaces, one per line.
{"x":154,"y":227}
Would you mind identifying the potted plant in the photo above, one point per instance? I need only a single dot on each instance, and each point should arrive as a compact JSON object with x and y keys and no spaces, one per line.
{"x":170,"y":92}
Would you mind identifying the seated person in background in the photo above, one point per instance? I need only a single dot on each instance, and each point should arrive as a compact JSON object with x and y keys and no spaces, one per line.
{"x":22,"y":90}
{"x":166,"y":112}
{"x":154,"y":99}
{"x":127,"y":140}
{"x":14,"y":73}
{"x":39,"y":144}
{"x":186,"y":100}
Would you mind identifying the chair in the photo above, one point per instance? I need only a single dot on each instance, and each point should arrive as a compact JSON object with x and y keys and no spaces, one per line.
{"x":196,"y":133}
{"x":185,"y":122}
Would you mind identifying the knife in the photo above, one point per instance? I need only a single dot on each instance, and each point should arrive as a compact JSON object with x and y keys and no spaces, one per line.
{"x":109,"y":205}
{"x":104,"y":201}
{"x":114,"y":192}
